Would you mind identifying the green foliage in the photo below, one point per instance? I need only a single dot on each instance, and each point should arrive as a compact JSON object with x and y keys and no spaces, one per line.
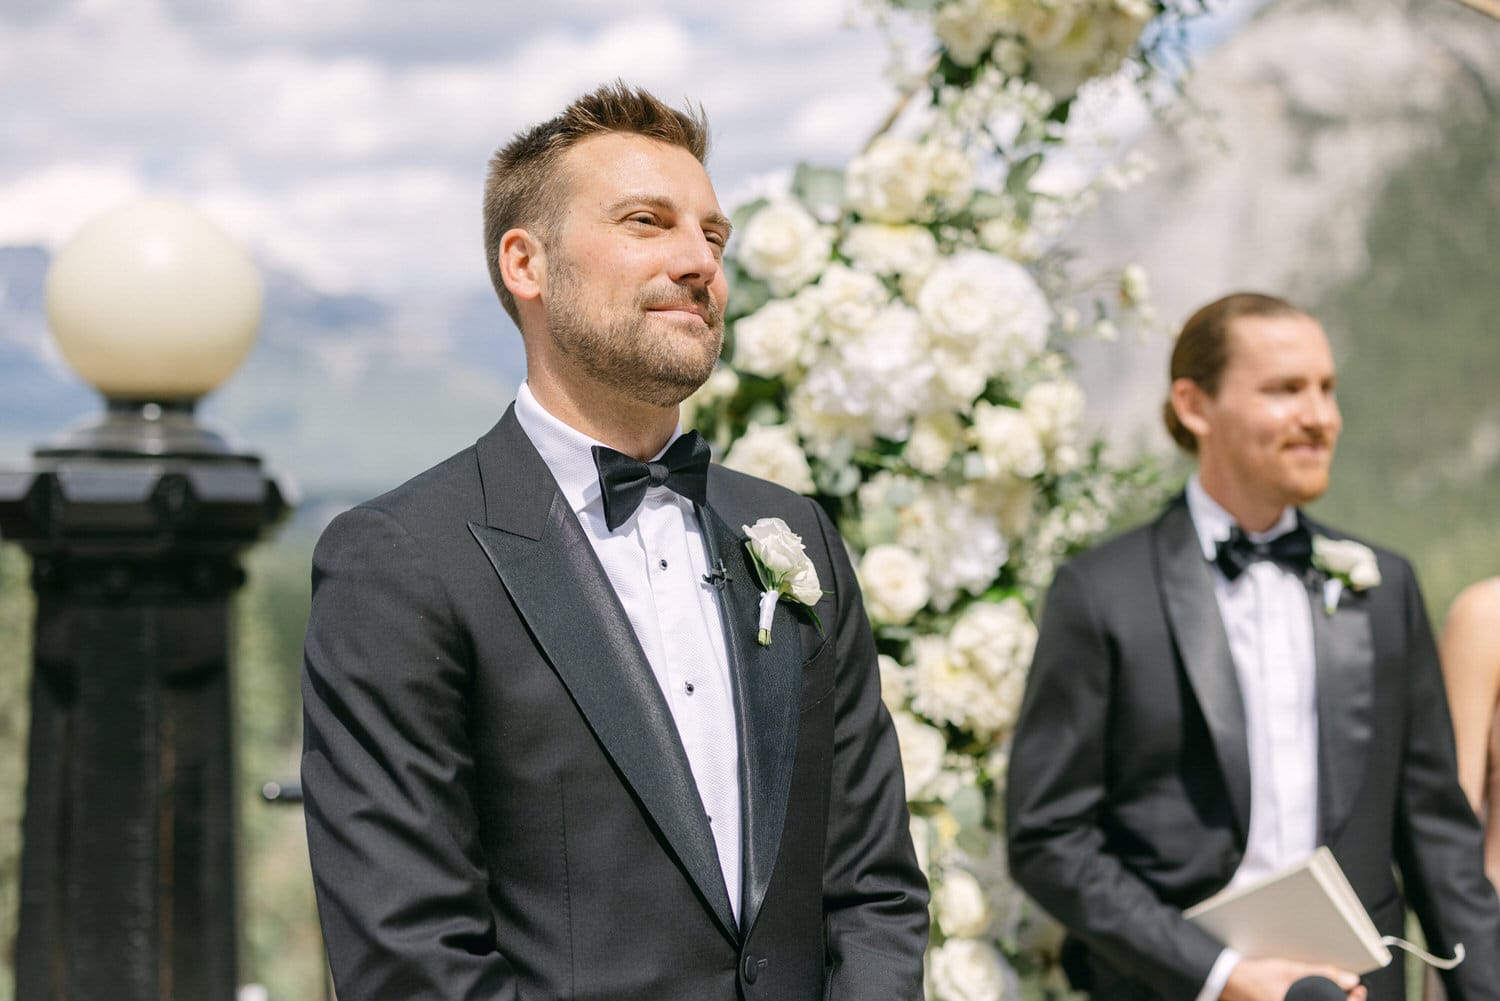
{"x":283,"y":949}
{"x":16,"y":611}
{"x":1419,"y":462}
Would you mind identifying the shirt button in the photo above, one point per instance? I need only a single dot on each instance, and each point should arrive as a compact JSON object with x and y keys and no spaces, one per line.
{"x":662,"y":564}
{"x":688,"y":687}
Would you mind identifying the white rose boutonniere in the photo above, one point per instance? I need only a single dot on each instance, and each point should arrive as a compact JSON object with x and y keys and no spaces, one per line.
{"x":784,"y":569}
{"x":1348,"y":564}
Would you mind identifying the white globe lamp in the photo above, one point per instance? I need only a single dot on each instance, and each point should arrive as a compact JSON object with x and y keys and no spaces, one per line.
{"x":155,"y":306}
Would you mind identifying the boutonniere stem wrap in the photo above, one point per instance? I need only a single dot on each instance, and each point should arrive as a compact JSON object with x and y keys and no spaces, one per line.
{"x":1348,"y":564}
{"x":785,"y":572}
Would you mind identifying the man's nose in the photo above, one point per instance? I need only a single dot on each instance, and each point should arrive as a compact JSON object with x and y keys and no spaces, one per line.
{"x":695,"y":258}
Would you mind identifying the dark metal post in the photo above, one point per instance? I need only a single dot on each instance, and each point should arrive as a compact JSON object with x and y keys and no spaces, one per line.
{"x":135,"y":527}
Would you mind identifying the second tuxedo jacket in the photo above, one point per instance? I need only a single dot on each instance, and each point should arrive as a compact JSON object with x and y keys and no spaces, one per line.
{"x":1129,"y":788}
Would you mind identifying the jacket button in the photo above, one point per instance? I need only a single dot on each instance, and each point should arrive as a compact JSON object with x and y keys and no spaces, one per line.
{"x":751,"y":967}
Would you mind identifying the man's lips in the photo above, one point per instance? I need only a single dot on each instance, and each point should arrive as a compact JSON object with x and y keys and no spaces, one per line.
{"x":685,"y":308}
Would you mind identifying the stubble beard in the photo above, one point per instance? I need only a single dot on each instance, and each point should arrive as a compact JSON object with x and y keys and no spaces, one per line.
{"x":623,"y":353}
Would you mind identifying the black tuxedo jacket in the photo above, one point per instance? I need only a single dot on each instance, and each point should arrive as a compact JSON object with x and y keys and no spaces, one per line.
{"x":498,"y":804}
{"x":1129,"y":790}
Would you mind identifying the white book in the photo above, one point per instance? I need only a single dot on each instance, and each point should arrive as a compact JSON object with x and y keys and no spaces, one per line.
{"x":1306,"y":912}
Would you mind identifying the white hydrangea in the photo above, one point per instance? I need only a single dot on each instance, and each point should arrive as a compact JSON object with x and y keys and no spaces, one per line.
{"x":723,"y":383}
{"x":784,"y":246}
{"x":935,"y":439}
{"x":989,"y":306}
{"x":966,"y":969}
{"x":1008,"y":445}
{"x":895,"y":682}
{"x":963,"y":545}
{"x":871,"y":384}
{"x":922,"y":749}
{"x":994,"y":638}
{"x":845,"y":303}
{"x":1055,"y":410}
{"x":888,"y":249}
{"x":770,"y":340}
{"x":771,"y":452}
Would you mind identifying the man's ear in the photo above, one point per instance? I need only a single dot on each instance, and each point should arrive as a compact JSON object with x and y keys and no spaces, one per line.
{"x":1191,"y":403}
{"x":523,"y":264}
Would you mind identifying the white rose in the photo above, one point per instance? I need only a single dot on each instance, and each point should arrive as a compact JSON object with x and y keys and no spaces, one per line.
{"x":922,"y":750}
{"x":962,"y":910}
{"x":1008,"y":444}
{"x":1055,"y":410}
{"x":965,"y":969}
{"x":888,"y":181}
{"x":1347,"y":558}
{"x":771,"y":452}
{"x":1045,"y":24}
{"x":987,"y":304}
{"x":950,"y":174}
{"x":964,"y":28}
{"x":775,"y":544}
{"x":1009,"y":55}
{"x":894,"y":580}
{"x":784,"y":246}
{"x":768,"y":341}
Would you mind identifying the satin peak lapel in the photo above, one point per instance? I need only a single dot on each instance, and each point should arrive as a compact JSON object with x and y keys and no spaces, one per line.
{"x":767,"y":687}
{"x":549,"y":568}
{"x":1344,"y":646}
{"x":1188,"y":590}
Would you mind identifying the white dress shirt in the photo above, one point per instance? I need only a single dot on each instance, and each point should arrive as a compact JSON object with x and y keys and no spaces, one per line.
{"x":656,"y":562}
{"x":1268,"y":620}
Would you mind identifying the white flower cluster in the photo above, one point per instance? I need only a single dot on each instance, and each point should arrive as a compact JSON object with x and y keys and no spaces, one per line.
{"x":896,"y":352}
{"x":1058,"y":43}
{"x":974,"y":677}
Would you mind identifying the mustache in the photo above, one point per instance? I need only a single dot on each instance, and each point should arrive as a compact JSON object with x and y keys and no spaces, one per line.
{"x":683,"y":297}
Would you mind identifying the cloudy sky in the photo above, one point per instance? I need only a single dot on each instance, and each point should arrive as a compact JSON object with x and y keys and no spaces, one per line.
{"x":346,"y":139}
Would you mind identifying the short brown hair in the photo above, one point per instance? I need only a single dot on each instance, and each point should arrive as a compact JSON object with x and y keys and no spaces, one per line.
{"x":526,"y":187}
{"x":1202,"y":349}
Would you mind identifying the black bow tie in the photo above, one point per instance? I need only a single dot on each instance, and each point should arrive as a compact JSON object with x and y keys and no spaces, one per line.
{"x":1292,"y":550}
{"x":683,"y":469}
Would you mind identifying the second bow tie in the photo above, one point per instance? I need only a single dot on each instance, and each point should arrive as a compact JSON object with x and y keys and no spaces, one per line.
{"x":683,"y":469}
{"x":1292,"y":550}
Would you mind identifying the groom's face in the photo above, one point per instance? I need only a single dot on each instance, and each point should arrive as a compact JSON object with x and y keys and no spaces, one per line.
{"x":635,"y":288}
{"x":1269,"y":432}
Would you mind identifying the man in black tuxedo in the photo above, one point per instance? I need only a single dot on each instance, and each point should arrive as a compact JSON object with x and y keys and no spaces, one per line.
{"x":1219,"y":692}
{"x":546,"y":755}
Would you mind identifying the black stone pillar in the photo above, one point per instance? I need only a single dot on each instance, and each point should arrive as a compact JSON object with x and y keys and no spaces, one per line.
{"x":135,"y":527}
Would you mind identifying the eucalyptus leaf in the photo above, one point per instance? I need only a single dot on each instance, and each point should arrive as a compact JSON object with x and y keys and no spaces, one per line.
{"x":744,"y":213}
{"x":1018,"y":181}
{"x":837,"y":481}
{"x":967,"y":807}
{"x":746,"y":295}
{"x":821,"y":190}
